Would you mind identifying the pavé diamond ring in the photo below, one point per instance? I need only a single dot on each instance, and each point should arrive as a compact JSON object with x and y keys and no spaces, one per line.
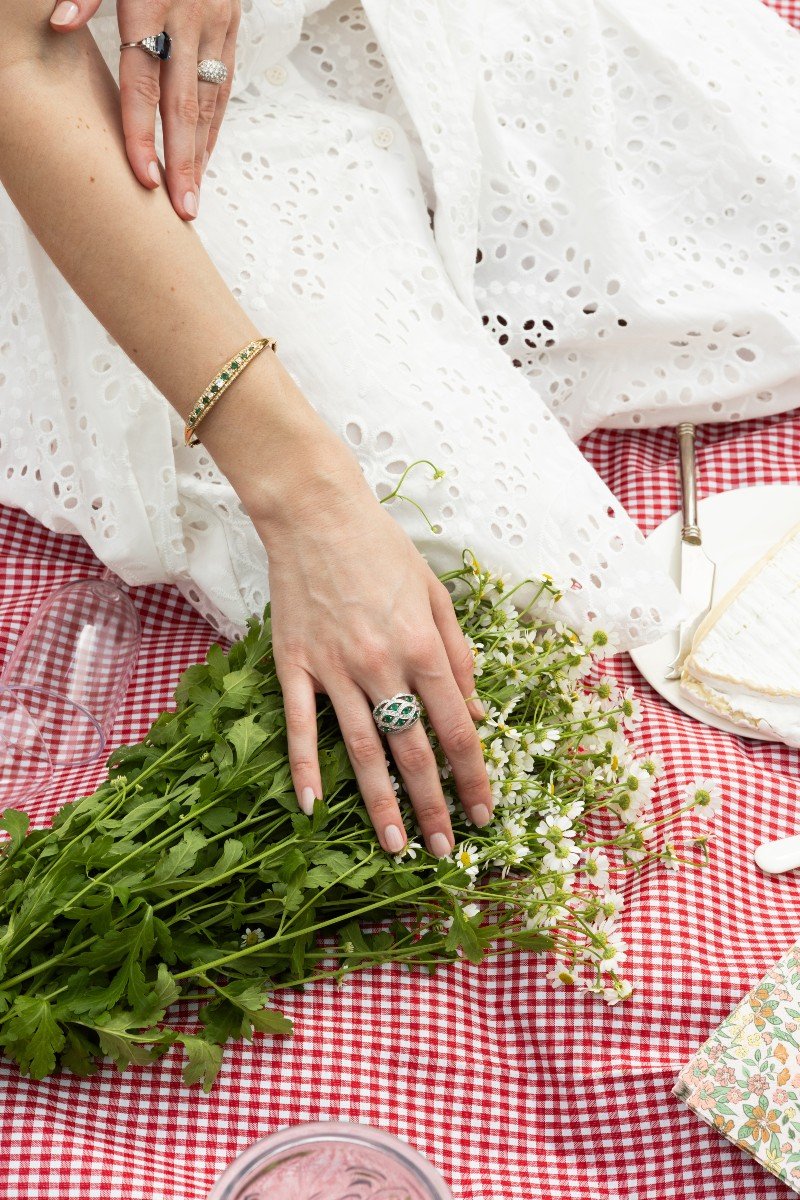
{"x":212,"y":70}
{"x":157,"y":46}
{"x":398,"y":712}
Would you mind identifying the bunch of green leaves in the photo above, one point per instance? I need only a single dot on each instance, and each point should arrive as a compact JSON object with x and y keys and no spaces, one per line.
{"x":191,"y":875}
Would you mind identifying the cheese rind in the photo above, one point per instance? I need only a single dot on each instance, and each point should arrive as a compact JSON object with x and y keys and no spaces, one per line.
{"x":744,"y":663}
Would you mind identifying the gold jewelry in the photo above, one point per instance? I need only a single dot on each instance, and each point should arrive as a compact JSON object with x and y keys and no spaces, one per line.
{"x":221,"y":381}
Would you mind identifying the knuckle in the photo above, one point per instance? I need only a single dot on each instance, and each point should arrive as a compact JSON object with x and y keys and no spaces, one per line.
{"x":423,"y":650}
{"x":301,"y":764}
{"x":296,"y":723}
{"x":474,"y":790}
{"x":443,"y":592}
{"x":224,"y":90}
{"x":220,"y":12}
{"x":154,"y":10}
{"x":380,"y":806}
{"x":142,"y":87}
{"x":431,"y":812}
{"x":374,"y":653}
{"x":290,"y":651}
{"x":181,"y":169}
{"x":206,"y":108}
{"x":186,"y":107}
{"x":142,"y":139}
{"x":465,"y":660}
{"x":460,"y":738}
{"x":364,"y":749}
{"x":413,"y":756}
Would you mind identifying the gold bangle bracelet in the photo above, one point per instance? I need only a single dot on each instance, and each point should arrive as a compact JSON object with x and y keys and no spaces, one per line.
{"x":220,"y":383}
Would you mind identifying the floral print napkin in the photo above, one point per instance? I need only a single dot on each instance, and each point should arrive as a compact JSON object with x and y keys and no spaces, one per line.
{"x":744,"y":1080}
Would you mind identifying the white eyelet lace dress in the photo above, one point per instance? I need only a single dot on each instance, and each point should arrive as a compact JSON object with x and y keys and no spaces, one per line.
{"x":479,"y":229}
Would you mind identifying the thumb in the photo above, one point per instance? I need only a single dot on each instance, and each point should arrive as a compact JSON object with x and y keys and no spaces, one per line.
{"x":68,"y":15}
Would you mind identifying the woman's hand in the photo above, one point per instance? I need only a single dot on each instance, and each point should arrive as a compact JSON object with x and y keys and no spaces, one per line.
{"x":191,"y":109}
{"x":358,"y":614}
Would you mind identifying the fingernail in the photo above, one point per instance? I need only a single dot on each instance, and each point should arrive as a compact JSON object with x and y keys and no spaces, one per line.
{"x":477,"y":709}
{"x":480,"y":815}
{"x":205,"y":160}
{"x":64,"y":13}
{"x":307,"y":800}
{"x":440,"y":845}
{"x":152,"y":171}
{"x":393,"y":838}
{"x":190,"y":203}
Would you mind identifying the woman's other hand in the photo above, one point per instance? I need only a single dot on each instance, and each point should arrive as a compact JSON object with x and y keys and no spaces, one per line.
{"x":191,"y":109}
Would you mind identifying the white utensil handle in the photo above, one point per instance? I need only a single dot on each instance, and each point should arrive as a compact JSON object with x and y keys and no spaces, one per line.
{"x":778,"y":856}
{"x":690,"y":531}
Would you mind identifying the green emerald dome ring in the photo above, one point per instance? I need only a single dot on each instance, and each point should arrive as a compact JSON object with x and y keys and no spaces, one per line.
{"x":396,"y":713}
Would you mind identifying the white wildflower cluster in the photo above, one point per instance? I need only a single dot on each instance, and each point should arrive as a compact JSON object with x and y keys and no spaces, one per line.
{"x":573,"y":801}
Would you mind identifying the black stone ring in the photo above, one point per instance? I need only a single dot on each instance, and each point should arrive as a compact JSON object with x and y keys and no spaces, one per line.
{"x":158,"y":46}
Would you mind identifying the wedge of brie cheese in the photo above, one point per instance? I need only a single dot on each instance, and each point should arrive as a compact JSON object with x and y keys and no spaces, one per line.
{"x":744,"y":663}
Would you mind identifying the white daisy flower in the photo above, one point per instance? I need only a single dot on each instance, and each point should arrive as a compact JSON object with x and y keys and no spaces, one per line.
{"x":620,"y":990}
{"x":634,"y":854}
{"x":574,"y":810}
{"x":554,"y":828}
{"x":653,"y":764}
{"x":596,"y":867}
{"x":611,"y":904}
{"x":409,"y":851}
{"x":513,"y":826}
{"x":706,"y":796}
{"x":542,"y":743}
{"x":563,"y":858}
{"x":608,"y":947}
{"x":467,"y":857}
{"x":561,"y":975}
{"x":631,"y":709}
{"x":669,"y":857}
{"x":251,"y":937}
{"x":602,"y":645}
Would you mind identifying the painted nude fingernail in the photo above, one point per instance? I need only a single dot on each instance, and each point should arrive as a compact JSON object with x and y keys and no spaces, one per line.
{"x":477,"y":709}
{"x":307,"y":800}
{"x":152,"y":171}
{"x":440,"y":845}
{"x":64,"y":13}
{"x":205,"y":160}
{"x":394,"y":839}
{"x":190,"y":204}
{"x":480,"y":815}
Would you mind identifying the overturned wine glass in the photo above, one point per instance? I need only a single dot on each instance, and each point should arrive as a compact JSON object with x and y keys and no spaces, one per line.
{"x":63,"y":683}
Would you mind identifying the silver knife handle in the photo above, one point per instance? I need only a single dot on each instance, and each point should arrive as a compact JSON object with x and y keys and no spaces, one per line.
{"x":690,"y":531}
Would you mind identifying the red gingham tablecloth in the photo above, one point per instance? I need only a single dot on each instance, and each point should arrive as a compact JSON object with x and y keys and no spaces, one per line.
{"x":510,"y":1087}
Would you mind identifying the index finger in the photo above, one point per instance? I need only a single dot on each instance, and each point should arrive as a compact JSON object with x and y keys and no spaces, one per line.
{"x":140,"y":91}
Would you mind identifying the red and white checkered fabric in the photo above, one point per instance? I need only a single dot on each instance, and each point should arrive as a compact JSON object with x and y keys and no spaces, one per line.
{"x":511,"y":1088}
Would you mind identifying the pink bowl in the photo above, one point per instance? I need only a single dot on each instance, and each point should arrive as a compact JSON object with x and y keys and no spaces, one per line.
{"x":334,"y":1159}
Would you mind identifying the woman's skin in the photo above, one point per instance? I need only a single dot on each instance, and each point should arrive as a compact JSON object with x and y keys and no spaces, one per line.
{"x":357,"y":612}
{"x":191,"y":109}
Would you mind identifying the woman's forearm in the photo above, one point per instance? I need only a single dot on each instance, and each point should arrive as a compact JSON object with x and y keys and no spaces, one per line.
{"x":142,"y":271}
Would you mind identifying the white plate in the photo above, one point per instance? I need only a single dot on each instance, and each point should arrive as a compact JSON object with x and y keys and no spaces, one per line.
{"x":738,"y":527}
